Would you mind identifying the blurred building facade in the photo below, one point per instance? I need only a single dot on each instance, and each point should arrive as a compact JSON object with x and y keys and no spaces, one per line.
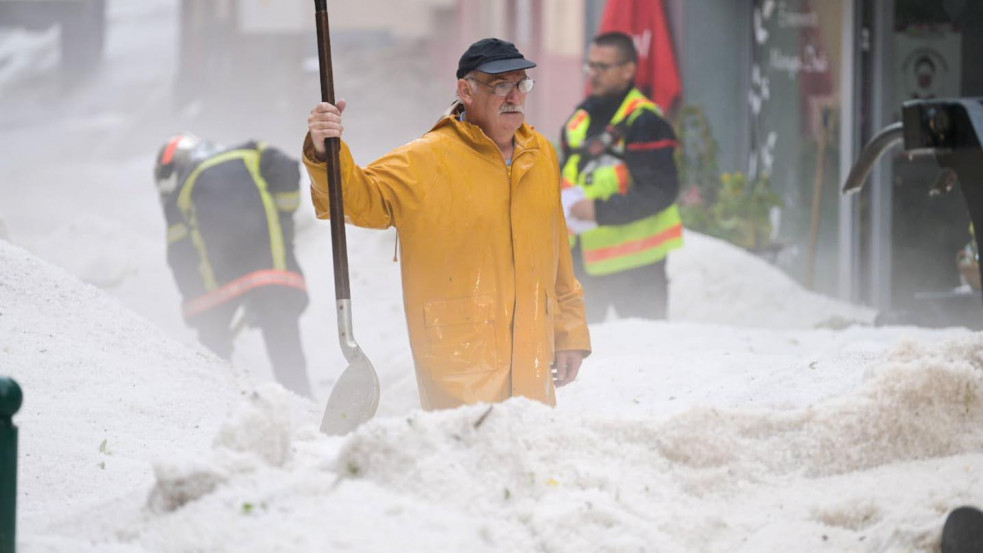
{"x":794,"y":88}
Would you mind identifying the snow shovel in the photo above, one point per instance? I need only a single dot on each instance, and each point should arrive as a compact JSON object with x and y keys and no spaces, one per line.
{"x":355,"y":396}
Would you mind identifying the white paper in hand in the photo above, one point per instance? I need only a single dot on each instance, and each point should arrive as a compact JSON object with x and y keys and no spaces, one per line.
{"x":569,"y":197}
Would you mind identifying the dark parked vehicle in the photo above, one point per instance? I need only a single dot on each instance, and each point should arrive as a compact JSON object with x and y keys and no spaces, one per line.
{"x":82,"y":23}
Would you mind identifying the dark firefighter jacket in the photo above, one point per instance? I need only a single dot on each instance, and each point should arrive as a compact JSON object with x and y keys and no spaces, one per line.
{"x":230,"y":227}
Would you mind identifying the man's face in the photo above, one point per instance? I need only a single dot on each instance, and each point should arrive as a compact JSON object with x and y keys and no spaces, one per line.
{"x":498,"y":116}
{"x":607,"y":71}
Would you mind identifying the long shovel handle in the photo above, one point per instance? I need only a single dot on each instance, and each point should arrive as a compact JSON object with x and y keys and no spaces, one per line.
{"x":355,"y":396}
{"x":332,"y":146}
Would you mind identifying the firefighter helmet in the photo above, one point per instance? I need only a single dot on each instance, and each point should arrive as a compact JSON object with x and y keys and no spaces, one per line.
{"x":174,"y":156}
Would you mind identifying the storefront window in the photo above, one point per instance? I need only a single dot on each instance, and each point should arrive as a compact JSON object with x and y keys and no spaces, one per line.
{"x":934,"y":54}
{"x":794,"y":105}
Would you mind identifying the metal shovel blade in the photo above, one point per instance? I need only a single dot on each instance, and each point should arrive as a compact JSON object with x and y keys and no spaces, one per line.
{"x":355,"y":396}
{"x":353,"y":400}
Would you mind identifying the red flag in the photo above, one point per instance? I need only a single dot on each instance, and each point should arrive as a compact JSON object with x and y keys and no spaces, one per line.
{"x":645,"y":20}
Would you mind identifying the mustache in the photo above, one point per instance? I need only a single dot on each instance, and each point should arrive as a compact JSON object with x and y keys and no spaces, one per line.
{"x":511,"y":108}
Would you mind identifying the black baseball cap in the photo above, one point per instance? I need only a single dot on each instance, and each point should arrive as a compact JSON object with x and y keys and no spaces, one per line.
{"x":492,"y":56}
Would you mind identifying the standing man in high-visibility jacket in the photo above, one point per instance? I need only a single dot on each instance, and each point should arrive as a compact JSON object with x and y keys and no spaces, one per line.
{"x":230,"y":245}
{"x":619,"y":188}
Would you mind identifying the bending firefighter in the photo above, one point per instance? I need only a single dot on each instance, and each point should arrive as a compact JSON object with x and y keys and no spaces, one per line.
{"x":619,"y":188}
{"x":230,"y":239}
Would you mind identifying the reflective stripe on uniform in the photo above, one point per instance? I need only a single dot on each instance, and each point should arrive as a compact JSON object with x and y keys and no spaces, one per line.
{"x":241,"y":285}
{"x":609,"y":250}
{"x":576,"y":123}
{"x":277,"y":248}
{"x":576,"y":132}
{"x":176,"y":233}
{"x":287,"y":201}
{"x":656,"y":145}
{"x":607,"y":181}
{"x":250,"y":159}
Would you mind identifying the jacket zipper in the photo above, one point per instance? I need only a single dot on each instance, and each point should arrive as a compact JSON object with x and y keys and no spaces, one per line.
{"x":508,"y":172}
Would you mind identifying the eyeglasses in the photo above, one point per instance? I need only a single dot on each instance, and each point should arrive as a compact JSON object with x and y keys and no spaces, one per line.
{"x":504,"y":88}
{"x":600,"y":67}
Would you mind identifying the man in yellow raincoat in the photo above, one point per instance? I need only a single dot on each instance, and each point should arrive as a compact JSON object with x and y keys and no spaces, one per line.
{"x":492,"y":304}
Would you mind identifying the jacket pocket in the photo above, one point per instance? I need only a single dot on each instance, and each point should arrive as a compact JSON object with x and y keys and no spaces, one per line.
{"x":460,"y":336}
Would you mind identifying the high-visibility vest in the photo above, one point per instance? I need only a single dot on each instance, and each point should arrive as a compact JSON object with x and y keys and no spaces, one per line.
{"x":611,"y":249}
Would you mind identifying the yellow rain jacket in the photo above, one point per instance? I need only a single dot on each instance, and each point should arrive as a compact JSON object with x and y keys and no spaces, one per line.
{"x":488,"y":283}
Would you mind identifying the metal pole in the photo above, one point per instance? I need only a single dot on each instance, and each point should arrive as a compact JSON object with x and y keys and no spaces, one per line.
{"x":849,"y":224}
{"x":881,"y":192}
{"x":10,"y":401}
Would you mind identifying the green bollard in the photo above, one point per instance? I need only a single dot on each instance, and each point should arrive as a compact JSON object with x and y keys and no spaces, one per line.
{"x":10,"y":400}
